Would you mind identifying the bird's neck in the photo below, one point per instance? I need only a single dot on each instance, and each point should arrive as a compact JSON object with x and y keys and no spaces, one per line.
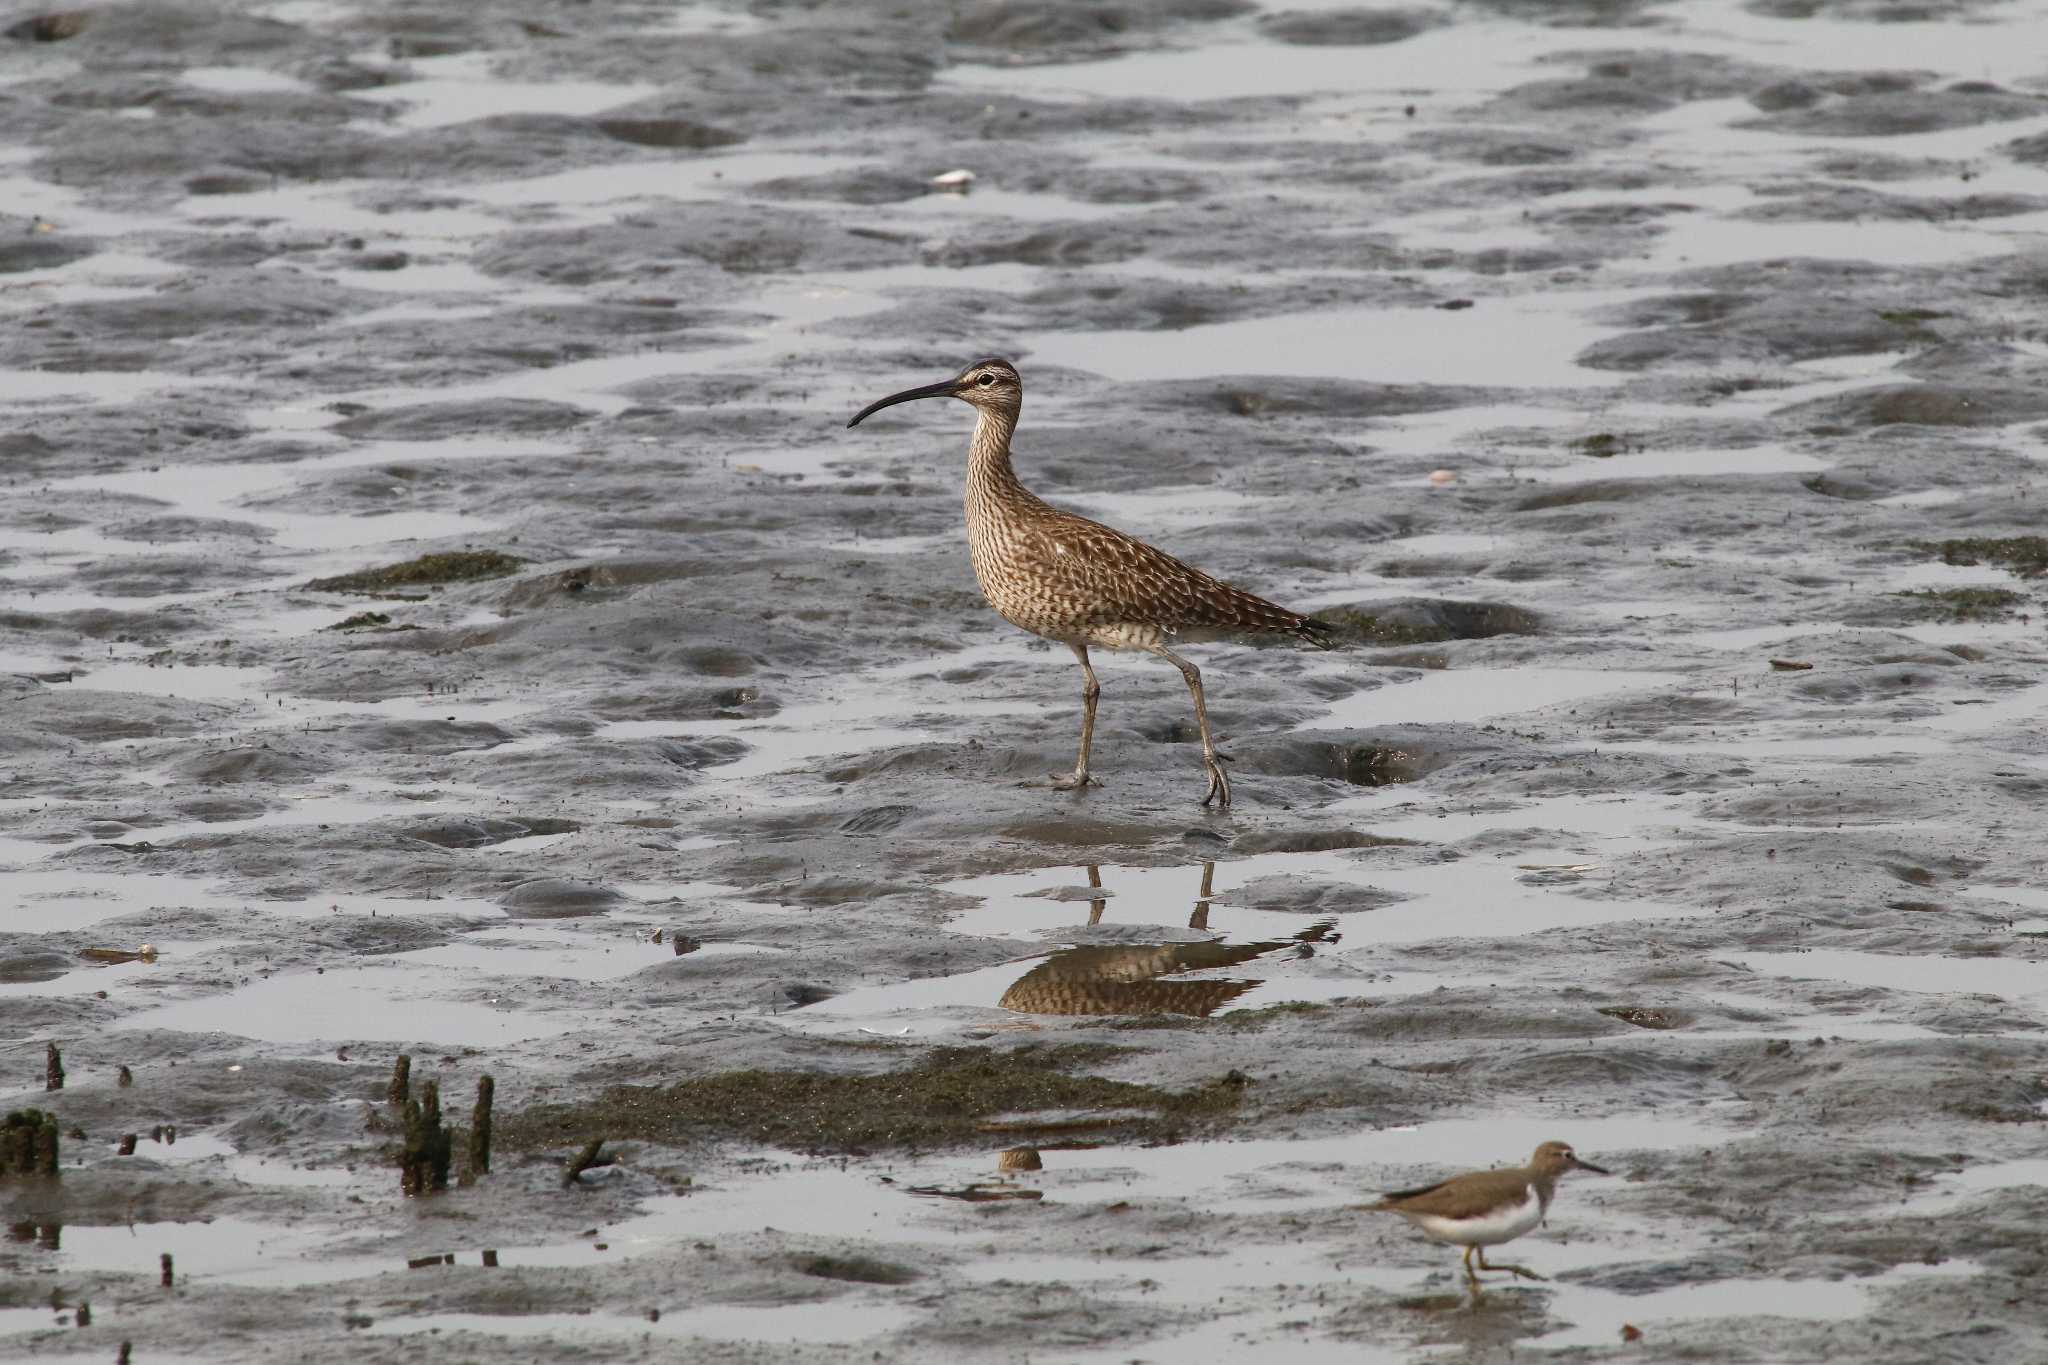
{"x":1545,"y":1185}
{"x":989,"y":474}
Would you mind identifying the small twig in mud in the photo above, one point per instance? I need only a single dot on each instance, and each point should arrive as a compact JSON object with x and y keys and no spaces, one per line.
{"x":480,"y":1131}
{"x":168,"y":1276}
{"x":117,"y":955}
{"x":976,"y":1194}
{"x":423,"y":1163}
{"x":401,"y":1081}
{"x":1790,"y":665}
{"x":127,"y":1147}
{"x":85,"y":1312}
{"x":584,"y":1160}
{"x":53,"y":1068}
{"x":124,"y":1078}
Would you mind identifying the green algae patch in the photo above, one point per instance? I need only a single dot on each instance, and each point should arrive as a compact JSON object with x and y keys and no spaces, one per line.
{"x":1605,"y":445}
{"x":362,"y":620}
{"x":941,"y":1102}
{"x":1423,"y":621}
{"x":453,"y":566}
{"x":1965,"y":604}
{"x":1373,"y":628}
{"x":1251,"y":1021}
{"x":2026,"y":556}
{"x":852,"y":1269}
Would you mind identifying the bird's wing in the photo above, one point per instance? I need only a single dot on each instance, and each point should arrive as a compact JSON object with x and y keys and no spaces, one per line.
{"x":1124,"y":579}
{"x":1462,"y":1196}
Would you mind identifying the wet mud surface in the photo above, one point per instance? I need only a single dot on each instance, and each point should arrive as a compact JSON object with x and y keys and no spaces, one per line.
{"x":443,"y":613}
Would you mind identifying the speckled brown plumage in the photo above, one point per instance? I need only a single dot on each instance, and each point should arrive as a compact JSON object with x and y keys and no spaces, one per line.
{"x":1485,"y":1208}
{"x":1077,"y":581}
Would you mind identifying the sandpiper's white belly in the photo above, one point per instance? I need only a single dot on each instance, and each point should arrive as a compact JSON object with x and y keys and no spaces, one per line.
{"x":1504,"y":1224}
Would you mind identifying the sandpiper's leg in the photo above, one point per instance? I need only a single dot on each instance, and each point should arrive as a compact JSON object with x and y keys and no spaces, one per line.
{"x":1523,"y":1271}
{"x":1089,"y":694}
{"x":1470,"y":1273}
{"x":1219,"y":781}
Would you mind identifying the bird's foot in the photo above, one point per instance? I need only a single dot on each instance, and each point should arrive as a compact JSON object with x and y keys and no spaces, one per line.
{"x":1520,"y":1270}
{"x":1073,"y":781}
{"x":1219,"y":780}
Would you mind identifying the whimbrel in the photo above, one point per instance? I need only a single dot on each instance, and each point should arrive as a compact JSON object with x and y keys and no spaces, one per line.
{"x":1073,"y":580}
{"x":1481,"y":1209}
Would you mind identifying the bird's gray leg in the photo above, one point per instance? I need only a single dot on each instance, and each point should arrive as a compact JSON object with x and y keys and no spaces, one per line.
{"x":1089,"y":694}
{"x":1219,"y":781}
{"x":1523,"y":1271}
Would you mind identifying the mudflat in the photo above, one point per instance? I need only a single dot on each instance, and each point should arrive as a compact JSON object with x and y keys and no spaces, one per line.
{"x":443,"y":614}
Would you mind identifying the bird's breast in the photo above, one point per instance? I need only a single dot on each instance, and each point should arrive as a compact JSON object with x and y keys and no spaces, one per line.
{"x":1502,"y":1224}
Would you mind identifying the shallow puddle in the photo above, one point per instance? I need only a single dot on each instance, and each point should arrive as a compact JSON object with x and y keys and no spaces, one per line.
{"x":223,"y":1250}
{"x":465,"y":86}
{"x":2021,"y":981}
{"x":1596,"y":1316}
{"x":830,"y":1321}
{"x":47,"y":898}
{"x":1481,"y":694}
{"x":1196,"y":940}
{"x":390,"y":1002}
{"x":1526,"y":342}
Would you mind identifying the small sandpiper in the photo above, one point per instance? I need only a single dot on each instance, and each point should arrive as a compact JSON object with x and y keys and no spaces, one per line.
{"x":1482,"y":1209}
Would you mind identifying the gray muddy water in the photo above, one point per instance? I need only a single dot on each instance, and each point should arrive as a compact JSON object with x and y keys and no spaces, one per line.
{"x":1652,"y":394}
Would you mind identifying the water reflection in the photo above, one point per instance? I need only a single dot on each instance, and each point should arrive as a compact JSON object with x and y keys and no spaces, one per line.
{"x":1126,"y":978}
{"x":48,"y":1236}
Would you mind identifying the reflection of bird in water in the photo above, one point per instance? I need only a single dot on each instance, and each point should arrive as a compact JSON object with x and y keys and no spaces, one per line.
{"x":1112,"y":979}
{"x":1481,"y":1209}
{"x":1081,"y":583}
{"x":1122,"y":979}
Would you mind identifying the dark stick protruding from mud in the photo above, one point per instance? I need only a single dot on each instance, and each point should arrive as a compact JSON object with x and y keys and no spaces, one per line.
{"x":53,"y":1068}
{"x":401,"y":1082}
{"x":28,"y":1144}
{"x":584,"y":1160}
{"x":169,"y":1275}
{"x":126,"y":1347}
{"x":127,"y":1147}
{"x":480,"y":1129}
{"x":124,"y":1078}
{"x":423,"y":1165}
{"x":84,"y":1313}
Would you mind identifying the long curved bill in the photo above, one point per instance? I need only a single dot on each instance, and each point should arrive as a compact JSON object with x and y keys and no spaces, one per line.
{"x":944,"y":389}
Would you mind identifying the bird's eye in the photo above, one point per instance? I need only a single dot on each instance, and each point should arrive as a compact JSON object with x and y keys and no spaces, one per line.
{"x":986,"y":380}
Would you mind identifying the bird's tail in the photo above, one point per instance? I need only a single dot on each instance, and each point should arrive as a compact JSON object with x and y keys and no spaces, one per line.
{"x":1320,"y":634}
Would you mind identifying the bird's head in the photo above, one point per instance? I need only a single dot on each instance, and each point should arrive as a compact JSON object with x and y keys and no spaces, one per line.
{"x":1555,"y":1158}
{"x":991,"y":385}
